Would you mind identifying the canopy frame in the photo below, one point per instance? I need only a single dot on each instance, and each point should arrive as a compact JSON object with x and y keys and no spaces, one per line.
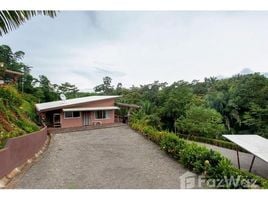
{"x":245,"y":141}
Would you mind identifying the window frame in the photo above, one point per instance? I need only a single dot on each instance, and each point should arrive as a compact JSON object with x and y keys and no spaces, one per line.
{"x":72,"y":115}
{"x":103,"y":111}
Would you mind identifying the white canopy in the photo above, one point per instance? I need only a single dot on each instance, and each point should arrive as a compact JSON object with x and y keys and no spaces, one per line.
{"x":254,"y":144}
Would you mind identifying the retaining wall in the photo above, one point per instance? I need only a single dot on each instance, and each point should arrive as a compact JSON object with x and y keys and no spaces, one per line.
{"x":18,"y":150}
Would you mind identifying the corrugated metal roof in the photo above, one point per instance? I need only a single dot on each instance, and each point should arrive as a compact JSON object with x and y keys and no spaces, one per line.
{"x":254,"y":144}
{"x":91,"y":108}
{"x":61,"y":104}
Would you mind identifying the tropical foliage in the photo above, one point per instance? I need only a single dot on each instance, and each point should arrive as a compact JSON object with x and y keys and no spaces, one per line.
{"x":212,"y":165}
{"x":12,"y":19}
{"x":236,"y":105}
{"x":201,"y":121}
{"x":17,"y":114}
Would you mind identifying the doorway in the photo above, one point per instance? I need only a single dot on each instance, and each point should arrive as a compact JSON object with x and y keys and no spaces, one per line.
{"x":86,"y":118}
{"x":56,"y":120}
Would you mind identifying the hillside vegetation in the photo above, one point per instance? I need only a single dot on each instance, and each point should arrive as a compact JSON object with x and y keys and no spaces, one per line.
{"x":17,"y":113}
{"x":207,"y":109}
{"x":236,"y":105}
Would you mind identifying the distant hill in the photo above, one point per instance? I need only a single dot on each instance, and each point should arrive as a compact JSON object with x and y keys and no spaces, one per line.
{"x":244,"y":71}
{"x":250,"y":71}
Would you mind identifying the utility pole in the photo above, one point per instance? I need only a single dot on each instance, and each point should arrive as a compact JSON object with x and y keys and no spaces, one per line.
{"x":22,"y":83}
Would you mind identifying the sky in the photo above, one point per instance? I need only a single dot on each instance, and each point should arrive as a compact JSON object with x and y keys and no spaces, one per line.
{"x":139,"y":47}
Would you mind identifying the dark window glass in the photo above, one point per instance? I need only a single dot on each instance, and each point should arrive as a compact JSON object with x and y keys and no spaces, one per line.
{"x":101,"y":114}
{"x":76,"y":114}
{"x":71,"y":114}
{"x":68,"y":114}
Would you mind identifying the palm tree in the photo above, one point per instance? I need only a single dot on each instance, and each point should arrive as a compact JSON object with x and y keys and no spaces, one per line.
{"x":10,"y":20}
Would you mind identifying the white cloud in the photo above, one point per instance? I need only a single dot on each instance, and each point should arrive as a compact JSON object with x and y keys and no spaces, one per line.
{"x":140,"y":47}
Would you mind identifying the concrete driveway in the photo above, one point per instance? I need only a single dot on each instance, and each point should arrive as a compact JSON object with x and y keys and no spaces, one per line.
{"x":104,"y":158}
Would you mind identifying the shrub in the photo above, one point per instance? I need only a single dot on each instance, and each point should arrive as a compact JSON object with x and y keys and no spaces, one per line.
{"x":172,"y":145}
{"x":159,"y":136}
{"x":234,"y":178}
{"x":148,"y":130}
{"x":202,"y":121}
{"x":195,"y":158}
{"x":10,"y":95}
{"x":200,"y":159}
{"x":216,"y":142}
{"x":153,"y":134}
{"x":27,"y":126}
{"x":28,"y":110}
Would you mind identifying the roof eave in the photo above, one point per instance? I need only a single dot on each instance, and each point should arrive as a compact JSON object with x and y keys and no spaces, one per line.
{"x":61,"y":107}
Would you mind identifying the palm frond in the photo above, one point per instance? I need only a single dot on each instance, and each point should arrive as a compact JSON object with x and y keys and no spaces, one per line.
{"x":10,"y":20}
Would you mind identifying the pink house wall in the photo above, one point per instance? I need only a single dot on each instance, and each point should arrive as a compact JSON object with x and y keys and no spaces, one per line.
{"x":76,"y":122}
{"x":109,"y":120}
{"x":70,"y":122}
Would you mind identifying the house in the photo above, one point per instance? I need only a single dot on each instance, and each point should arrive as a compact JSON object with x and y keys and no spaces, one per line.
{"x":8,"y":76}
{"x":85,"y":111}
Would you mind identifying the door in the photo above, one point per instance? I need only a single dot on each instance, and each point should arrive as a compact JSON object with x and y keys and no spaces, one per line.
{"x":86,"y":118}
{"x":56,"y":120}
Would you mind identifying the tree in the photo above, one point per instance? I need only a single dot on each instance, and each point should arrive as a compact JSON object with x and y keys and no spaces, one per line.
{"x":175,"y":100}
{"x":235,"y":99}
{"x":131,"y":95}
{"x":147,"y":107}
{"x":105,"y":87}
{"x":201,"y":121}
{"x":256,"y":120}
{"x":12,"y":60}
{"x":223,"y":103}
{"x":68,"y":89}
{"x":10,"y":20}
{"x":150,"y":92}
{"x":6,"y":54}
{"x":119,"y":88}
{"x":27,"y":81}
{"x":45,"y":91}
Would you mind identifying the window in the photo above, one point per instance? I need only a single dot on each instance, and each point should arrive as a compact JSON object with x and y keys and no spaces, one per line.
{"x":76,"y":114}
{"x":68,"y":114}
{"x":71,"y":114}
{"x":101,"y":114}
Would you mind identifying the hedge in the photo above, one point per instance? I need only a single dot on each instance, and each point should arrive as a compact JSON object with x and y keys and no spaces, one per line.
{"x":200,"y":160}
{"x":216,"y":142}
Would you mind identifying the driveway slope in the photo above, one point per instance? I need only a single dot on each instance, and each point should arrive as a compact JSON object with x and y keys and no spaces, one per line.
{"x":114,"y":157}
